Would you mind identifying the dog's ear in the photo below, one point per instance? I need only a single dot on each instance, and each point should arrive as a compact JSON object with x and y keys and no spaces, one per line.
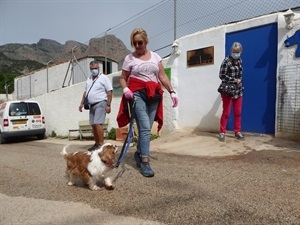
{"x":101,"y":153}
{"x":102,"y":148}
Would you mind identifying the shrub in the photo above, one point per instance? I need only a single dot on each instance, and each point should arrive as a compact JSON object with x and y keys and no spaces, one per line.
{"x":53,"y":134}
{"x":112,"y":134}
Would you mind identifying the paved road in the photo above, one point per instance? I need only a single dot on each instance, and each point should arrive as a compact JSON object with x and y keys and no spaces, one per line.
{"x":198,"y":180}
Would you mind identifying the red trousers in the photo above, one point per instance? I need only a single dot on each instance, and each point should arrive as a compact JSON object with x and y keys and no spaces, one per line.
{"x":237,"y":107}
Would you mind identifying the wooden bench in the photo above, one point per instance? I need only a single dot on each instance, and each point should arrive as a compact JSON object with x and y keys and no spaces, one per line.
{"x":86,"y":130}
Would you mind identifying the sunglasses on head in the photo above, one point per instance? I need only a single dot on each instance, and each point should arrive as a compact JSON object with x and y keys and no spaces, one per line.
{"x":138,"y":43}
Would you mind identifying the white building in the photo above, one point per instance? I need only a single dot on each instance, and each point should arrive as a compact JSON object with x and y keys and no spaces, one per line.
{"x":59,"y":76}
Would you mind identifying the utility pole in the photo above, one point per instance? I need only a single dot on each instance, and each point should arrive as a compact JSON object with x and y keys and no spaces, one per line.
{"x":6,"y":90}
{"x":18,"y":95}
{"x":72,"y":62}
{"x":175,"y":20}
{"x":48,"y":76}
{"x":30,"y":85}
{"x":105,"y":44}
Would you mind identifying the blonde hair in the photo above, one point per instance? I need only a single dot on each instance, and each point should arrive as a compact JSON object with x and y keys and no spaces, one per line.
{"x":237,"y":46}
{"x":141,"y":32}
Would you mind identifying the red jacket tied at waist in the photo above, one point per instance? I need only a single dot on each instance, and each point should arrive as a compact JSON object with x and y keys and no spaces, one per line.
{"x":151,"y":88}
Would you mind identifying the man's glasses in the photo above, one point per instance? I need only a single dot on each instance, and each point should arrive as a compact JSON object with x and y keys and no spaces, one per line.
{"x":93,"y":68}
{"x":138,"y":43}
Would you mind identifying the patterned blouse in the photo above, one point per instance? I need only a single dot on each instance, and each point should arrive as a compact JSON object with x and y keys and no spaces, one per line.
{"x":229,"y":71}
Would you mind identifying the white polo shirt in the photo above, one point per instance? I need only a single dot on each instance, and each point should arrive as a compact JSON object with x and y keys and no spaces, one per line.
{"x":99,"y":90}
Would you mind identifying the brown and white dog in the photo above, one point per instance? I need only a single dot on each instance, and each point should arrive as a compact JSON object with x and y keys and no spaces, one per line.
{"x":91,"y":166}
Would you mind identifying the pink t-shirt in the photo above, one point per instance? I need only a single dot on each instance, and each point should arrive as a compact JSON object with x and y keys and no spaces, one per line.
{"x":143,"y":70}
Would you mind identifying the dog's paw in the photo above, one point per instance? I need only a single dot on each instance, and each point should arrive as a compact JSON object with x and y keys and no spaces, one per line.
{"x":70,"y":183}
{"x":110,"y":188}
{"x":95,"y":188}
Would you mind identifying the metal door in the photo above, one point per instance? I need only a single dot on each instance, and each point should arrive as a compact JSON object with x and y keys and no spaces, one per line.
{"x":259,"y":59}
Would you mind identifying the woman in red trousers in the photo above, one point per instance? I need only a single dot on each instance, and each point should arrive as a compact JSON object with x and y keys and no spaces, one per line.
{"x":231,"y":71}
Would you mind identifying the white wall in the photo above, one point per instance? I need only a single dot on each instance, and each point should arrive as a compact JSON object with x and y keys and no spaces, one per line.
{"x":54,"y":78}
{"x":114,"y":66}
{"x":4,"y":98}
{"x":196,"y":86}
{"x":36,"y":83}
{"x":61,"y":109}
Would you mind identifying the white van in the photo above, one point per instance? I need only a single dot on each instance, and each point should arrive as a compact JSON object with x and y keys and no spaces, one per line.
{"x":21,"y":118}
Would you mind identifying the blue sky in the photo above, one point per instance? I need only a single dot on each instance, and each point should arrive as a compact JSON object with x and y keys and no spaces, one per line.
{"x":27,"y":21}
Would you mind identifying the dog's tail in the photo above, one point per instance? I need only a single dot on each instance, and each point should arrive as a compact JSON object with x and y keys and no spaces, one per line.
{"x":64,"y":151}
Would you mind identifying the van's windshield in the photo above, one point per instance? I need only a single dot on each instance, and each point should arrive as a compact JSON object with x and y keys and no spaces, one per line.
{"x":24,"y":109}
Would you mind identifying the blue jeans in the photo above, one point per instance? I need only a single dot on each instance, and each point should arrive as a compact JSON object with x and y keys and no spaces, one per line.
{"x":144,"y":117}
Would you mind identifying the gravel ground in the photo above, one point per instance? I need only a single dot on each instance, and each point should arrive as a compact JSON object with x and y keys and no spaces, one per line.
{"x":252,"y":182}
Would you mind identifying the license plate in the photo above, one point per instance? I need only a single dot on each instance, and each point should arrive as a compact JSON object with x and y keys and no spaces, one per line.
{"x":19,"y":122}
{"x":36,"y":125}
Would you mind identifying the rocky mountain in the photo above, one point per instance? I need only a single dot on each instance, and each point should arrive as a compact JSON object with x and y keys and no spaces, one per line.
{"x":20,"y":59}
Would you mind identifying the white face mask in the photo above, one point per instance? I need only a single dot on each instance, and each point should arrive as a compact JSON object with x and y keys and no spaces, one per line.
{"x":95,"y":72}
{"x":235,"y":55}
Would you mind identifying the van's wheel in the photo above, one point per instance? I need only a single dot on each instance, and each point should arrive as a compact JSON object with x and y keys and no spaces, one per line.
{"x":40,"y":136}
{"x":2,"y":140}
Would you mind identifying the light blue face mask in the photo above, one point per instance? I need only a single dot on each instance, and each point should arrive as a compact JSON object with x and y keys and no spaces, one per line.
{"x":94,"y":72}
{"x":235,"y":55}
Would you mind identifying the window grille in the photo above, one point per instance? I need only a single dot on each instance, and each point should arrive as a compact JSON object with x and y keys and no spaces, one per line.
{"x":288,"y":104}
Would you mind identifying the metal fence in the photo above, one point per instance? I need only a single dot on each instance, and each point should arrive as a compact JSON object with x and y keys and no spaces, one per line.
{"x":288,"y":108}
{"x":172,"y":19}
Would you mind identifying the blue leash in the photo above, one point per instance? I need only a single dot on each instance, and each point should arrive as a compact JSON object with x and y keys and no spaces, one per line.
{"x":129,"y":137}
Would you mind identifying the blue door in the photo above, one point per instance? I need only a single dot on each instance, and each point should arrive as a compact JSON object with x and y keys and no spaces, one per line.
{"x":259,"y":59}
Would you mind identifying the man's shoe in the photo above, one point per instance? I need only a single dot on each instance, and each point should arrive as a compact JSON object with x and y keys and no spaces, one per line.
{"x":146,"y":170}
{"x":94,"y":147}
{"x":222,"y":137}
{"x":239,"y":136}
{"x":138,"y":159}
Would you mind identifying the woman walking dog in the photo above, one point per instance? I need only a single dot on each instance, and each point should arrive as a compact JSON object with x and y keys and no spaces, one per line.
{"x":141,"y":79}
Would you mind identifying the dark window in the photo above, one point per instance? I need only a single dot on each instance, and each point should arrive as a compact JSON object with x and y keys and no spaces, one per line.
{"x":201,"y":56}
{"x":34,"y":109}
{"x":24,"y":109}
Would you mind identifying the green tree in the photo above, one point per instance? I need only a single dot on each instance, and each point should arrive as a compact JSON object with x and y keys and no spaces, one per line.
{"x":7,"y":79}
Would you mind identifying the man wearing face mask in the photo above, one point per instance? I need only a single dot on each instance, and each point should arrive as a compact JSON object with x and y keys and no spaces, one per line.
{"x":231,"y":73}
{"x":98,"y":88}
